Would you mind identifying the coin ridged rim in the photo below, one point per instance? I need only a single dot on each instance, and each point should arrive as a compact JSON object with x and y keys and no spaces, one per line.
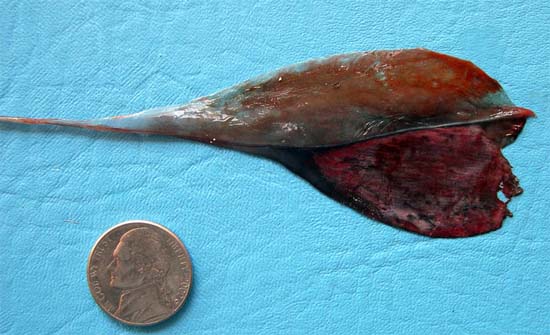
{"x":169,"y":232}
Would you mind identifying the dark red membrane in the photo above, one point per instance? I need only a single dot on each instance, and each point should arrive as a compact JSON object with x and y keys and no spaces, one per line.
{"x":439,"y":182}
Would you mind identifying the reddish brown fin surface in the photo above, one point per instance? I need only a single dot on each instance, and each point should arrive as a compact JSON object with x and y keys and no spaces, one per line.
{"x":440,"y":182}
{"x":411,"y":138}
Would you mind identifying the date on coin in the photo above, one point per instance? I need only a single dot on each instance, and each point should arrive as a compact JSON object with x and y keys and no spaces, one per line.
{"x":139,"y":273}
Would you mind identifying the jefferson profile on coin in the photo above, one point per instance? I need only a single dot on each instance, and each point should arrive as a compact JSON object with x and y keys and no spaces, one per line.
{"x":139,"y":268}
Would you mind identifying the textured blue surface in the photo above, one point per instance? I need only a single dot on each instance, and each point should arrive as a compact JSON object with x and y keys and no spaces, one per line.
{"x":270,"y":253}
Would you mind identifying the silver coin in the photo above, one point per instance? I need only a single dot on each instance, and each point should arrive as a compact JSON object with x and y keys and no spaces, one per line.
{"x":139,"y":273}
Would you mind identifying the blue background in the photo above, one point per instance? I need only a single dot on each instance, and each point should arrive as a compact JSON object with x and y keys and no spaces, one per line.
{"x":270,"y":253}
